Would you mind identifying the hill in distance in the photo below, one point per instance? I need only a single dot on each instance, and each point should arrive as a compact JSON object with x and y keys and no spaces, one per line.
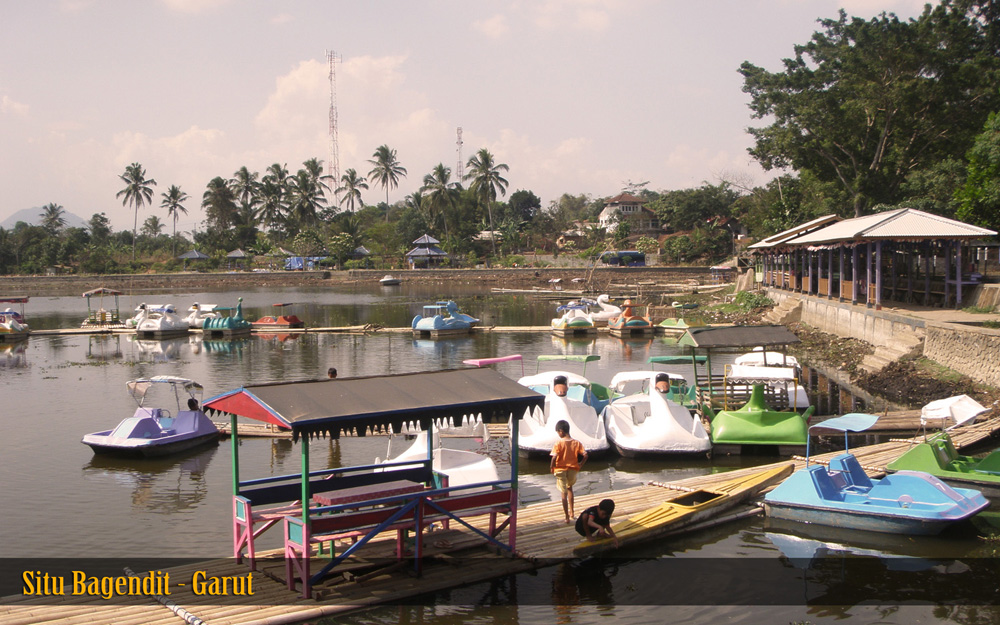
{"x":34,"y":216}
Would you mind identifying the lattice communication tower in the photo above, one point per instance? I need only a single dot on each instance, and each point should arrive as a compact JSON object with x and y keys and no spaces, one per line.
{"x":460,"y":168}
{"x":332,"y":57}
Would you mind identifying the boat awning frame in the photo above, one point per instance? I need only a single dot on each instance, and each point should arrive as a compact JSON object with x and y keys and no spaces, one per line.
{"x":329,"y":407}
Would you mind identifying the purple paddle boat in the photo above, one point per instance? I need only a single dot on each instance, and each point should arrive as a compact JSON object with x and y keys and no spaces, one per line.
{"x":155,"y":431}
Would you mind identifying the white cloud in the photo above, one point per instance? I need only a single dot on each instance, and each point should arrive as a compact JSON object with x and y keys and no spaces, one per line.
{"x":282,"y":18}
{"x":194,"y":6}
{"x":494,"y":28}
{"x":75,"y":6}
{"x":584,"y":15}
{"x":12,"y":107}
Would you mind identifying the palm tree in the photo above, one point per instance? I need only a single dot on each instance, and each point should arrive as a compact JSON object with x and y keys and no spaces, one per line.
{"x":137,"y":192}
{"x":486,"y":181}
{"x":152,"y":227}
{"x":306,"y":198}
{"x":219,"y":203}
{"x":351,"y":185}
{"x":173,"y":201}
{"x":315,"y":168}
{"x":386,"y":171}
{"x":52,"y":218}
{"x":441,"y":194}
{"x":246,"y":188}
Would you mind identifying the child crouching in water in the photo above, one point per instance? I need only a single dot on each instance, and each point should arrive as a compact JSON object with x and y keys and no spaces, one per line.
{"x":568,"y":455}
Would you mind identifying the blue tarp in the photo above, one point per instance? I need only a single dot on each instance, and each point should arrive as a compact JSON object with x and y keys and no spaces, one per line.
{"x":295,"y":263}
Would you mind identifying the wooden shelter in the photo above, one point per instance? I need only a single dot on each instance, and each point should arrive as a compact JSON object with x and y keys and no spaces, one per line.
{"x":904,"y":255}
{"x":358,"y":503}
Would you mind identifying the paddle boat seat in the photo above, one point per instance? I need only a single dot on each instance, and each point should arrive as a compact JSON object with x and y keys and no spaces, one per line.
{"x":825,"y":484}
{"x":849,"y":467}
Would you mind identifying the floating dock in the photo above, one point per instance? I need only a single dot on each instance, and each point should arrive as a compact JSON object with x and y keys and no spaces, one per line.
{"x":453,"y":558}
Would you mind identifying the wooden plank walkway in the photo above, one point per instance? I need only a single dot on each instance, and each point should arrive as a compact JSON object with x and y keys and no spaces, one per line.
{"x":455,"y":558}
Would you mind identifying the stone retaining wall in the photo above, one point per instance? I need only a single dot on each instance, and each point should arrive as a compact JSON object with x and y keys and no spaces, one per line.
{"x":971,"y":350}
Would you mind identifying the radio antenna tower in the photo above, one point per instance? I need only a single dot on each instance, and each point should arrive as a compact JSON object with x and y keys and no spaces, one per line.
{"x":332,"y":57}
{"x":460,"y":169}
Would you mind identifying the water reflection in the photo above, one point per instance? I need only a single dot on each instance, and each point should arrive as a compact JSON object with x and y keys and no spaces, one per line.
{"x":14,"y":355}
{"x":163,"y":486}
{"x":165,"y":350}
{"x":104,"y":347}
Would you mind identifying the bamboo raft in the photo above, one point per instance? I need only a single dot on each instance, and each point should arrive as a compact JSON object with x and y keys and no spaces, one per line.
{"x":454,"y":558}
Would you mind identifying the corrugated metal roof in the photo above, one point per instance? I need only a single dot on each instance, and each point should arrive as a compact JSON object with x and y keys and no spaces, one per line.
{"x":781,"y":237}
{"x":903,"y":223}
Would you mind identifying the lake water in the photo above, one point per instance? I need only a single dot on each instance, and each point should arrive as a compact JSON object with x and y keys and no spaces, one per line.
{"x":61,"y":500}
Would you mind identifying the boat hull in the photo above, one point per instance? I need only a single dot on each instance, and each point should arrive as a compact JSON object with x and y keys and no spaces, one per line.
{"x":101,"y":444}
{"x":685,"y":509}
{"x":849,"y":519}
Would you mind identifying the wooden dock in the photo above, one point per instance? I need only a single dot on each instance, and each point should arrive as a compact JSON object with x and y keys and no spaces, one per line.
{"x":453,"y":558}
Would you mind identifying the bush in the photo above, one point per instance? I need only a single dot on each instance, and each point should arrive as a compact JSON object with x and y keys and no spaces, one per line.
{"x":752,"y":300}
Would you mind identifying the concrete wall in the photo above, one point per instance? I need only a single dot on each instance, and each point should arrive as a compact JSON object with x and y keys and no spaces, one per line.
{"x":970,"y":350}
{"x":843,"y":319}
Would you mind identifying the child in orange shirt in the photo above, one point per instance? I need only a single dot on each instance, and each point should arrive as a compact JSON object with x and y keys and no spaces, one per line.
{"x":568,"y":455}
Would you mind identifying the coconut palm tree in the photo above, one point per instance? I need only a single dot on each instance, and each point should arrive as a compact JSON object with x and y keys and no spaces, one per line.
{"x":173,"y":201}
{"x":440,"y":193}
{"x":350,"y":185}
{"x":137,"y":192}
{"x":52,"y":218}
{"x":152,"y":227}
{"x":306,"y":198}
{"x":246,"y":188}
{"x":386,"y":171}
{"x":315,"y":168}
{"x":219,"y":203}
{"x":486,"y":181}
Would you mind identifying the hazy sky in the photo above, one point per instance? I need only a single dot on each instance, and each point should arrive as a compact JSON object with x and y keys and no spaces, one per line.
{"x":576,"y":96}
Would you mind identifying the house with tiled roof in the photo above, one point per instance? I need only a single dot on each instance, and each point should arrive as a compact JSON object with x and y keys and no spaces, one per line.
{"x":627,"y":206}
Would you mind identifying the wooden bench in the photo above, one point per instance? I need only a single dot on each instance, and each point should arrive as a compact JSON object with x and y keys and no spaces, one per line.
{"x":260,"y":504}
{"x":363,"y":521}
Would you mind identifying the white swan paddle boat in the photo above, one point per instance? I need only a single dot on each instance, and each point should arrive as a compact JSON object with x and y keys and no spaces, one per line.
{"x":158,"y":321}
{"x":646,"y":422}
{"x":198,"y":313}
{"x":12,"y":324}
{"x":580,"y":408}
{"x":155,"y":431}
{"x":575,"y":320}
{"x":462,"y":467}
{"x":605,"y":310}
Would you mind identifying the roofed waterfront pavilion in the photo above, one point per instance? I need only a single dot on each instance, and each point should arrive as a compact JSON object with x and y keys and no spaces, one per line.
{"x":903,"y":255}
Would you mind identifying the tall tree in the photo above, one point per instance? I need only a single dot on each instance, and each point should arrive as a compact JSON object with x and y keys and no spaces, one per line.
{"x":440,"y":194}
{"x":52,"y":218}
{"x":137,"y":192}
{"x":219,"y":203}
{"x":865,"y":103}
{"x":979,"y":199}
{"x":173,"y":201}
{"x":486,"y":181}
{"x":246,"y":188}
{"x":351,"y":185}
{"x":386,"y":171}
{"x":152,"y":227}
{"x":306,"y":198}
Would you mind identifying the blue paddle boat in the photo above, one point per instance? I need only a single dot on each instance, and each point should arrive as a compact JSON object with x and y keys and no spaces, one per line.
{"x":442,"y":319}
{"x":907,"y":502}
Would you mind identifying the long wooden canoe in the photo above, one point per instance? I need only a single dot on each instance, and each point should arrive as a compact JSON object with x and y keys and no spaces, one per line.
{"x":687,"y":508}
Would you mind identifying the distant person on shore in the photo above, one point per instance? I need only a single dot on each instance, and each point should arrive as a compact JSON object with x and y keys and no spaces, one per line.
{"x":560,"y":385}
{"x":595,"y":522}
{"x":568,"y":455}
{"x":331,"y":373}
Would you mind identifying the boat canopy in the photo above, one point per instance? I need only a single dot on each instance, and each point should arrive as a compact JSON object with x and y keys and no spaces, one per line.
{"x":960,"y":408}
{"x":20,"y":299}
{"x":851,"y":422}
{"x":102,"y":291}
{"x":330,"y":407}
{"x":485,"y":362}
{"x":624,"y":377}
{"x":571,"y":357}
{"x":742,"y":337}
{"x":547,"y":378}
{"x":677,"y":360}
{"x":138,"y":388}
{"x":752,"y":374}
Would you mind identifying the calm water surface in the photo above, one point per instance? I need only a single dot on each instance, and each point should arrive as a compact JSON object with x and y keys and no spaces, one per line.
{"x":56,"y":389}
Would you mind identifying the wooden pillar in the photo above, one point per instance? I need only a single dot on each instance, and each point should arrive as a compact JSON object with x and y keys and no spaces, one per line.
{"x":840,"y":283}
{"x":306,"y":495}
{"x":909,"y":273}
{"x":947,"y":257}
{"x":514,"y":453}
{"x":868,"y":274}
{"x":892,"y":261}
{"x":878,"y":274}
{"x":234,"y":439}
{"x":927,"y":273}
{"x":809,"y":271}
{"x":829,"y":273}
{"x":854,"y":275}
{"x":958,"y":275}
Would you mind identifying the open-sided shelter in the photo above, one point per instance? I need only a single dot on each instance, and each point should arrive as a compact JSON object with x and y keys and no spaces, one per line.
{"x":361,"y":502}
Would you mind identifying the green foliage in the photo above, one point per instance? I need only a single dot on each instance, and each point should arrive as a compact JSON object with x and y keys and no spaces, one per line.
{"x":979,"y":198}
{"x":752,"y":300}
{"x":688,"y":208}
{"x":647,"y":245}
{"x":865,"y":103}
